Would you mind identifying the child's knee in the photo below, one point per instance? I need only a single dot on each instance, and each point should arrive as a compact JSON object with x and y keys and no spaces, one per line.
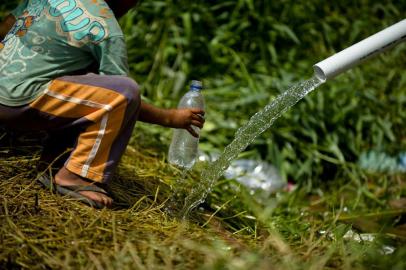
{"x":131,"y":91}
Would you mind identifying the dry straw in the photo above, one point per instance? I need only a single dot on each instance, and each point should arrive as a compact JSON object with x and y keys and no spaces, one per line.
{"x":41,"y":230}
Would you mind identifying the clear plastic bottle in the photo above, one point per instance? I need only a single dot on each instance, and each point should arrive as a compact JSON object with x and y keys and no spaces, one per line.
{"x":184,"y":147}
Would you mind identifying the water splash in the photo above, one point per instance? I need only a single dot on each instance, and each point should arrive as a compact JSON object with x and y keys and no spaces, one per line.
{"x":244,"y":136}
{"x":178,"y":191}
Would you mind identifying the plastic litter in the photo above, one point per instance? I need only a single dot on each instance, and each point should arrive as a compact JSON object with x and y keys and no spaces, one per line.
{"x":350,"y":235}
{"x":256,"y":175}
{"x":376,"y":161}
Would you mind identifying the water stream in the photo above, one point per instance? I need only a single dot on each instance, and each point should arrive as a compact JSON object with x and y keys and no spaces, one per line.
{"x":244,"y":136}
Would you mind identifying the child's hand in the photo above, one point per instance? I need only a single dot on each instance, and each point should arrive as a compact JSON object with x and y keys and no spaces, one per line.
{"x":175,"y":118}
{"x":186,"y":118}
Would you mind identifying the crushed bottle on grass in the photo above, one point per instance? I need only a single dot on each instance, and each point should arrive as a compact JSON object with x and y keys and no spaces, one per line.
{"x":379,"y":161}
{"x":358,"y":237}
{"x":257,"y":175}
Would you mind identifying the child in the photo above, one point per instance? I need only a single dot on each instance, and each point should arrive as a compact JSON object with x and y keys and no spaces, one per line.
{"x":46,"y":46}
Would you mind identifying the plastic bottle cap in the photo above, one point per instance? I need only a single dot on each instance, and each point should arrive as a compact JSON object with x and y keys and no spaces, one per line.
{"x":196,"y":85}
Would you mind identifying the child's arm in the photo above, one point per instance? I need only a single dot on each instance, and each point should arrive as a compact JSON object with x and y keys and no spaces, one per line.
{"x":174,"y":118}
{"x":6,"y":25}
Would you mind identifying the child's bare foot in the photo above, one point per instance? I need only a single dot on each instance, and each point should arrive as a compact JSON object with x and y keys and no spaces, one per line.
{"x":67,"y":178}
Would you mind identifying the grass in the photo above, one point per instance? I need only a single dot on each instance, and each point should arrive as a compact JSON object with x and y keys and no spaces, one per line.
{"x":246,"y":53}
{"x":231,"y":230}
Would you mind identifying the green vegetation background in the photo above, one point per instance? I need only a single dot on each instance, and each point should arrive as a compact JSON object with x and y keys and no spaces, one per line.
{"x":246,"y":53}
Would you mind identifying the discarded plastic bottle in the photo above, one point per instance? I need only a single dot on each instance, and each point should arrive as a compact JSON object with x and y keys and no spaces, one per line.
{"x":184,"y":147}
{"x":258,"y":176}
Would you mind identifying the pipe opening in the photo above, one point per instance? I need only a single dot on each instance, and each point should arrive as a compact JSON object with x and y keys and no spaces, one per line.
{"x":319,"y":73}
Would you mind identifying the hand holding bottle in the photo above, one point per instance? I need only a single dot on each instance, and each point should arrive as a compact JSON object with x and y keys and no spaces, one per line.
{"x":189,"y":115}
{"x":186,"y":118}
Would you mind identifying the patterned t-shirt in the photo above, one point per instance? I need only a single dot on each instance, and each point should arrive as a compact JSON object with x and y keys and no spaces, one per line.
{"x":53,"y":38}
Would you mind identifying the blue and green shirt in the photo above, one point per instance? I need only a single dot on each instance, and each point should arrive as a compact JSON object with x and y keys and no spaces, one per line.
{"x":53,"y":38}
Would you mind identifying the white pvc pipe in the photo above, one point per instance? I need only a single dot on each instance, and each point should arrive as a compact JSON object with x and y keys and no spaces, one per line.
{"x":377,"y":43}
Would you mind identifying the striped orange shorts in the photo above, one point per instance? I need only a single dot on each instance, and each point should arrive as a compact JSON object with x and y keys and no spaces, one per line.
{"x":102,"y":109}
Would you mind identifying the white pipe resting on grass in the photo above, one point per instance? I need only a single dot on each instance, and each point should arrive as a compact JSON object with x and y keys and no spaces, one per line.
{"x":377,"y":43}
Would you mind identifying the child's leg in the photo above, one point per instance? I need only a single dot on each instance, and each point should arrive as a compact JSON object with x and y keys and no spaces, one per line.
{"x":55,"y":152}
{"x":104,"y":107}
{"x":101,"y":109}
